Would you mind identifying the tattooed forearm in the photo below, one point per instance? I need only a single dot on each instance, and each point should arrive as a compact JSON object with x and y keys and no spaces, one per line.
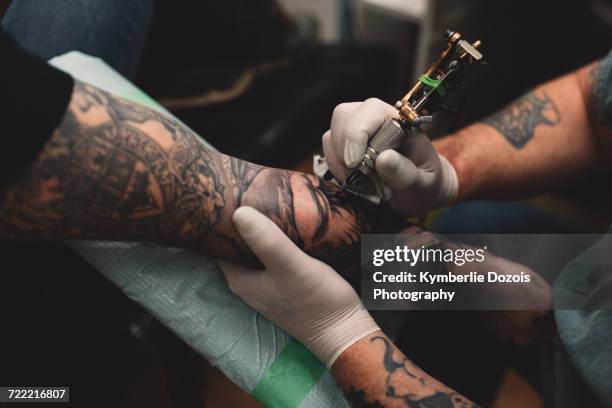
{"x":103,"y":175}
{"x":374,"y":373}
{"x":242,"y":174}
{"x":518,"y":121}
{"x":117,"y":170}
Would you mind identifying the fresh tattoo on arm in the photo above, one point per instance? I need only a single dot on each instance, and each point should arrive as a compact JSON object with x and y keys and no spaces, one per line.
{"x":374,"y":373}
{"x":518,"y":121}
{"x":117,"y":170}
{"x":328,"y":226}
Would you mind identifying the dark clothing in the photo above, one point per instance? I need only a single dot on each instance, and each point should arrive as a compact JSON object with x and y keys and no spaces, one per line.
{"x":80,"y":337}
{"x":34,"y":95}
{"x":34,"y":99}
{"x":586,"y":331}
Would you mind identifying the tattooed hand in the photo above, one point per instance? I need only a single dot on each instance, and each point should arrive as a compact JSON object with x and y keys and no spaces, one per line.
{"x":117,"y":170}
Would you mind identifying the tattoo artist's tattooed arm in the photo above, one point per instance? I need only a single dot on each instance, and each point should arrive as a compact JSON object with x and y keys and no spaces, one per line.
{"x":519,"y":120}
{"x":374,"y":373}
{"x":544,"y":141}
{"x":116,"y":170}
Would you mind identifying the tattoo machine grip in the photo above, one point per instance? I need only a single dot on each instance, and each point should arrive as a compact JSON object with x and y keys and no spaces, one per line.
{"x":389,"y":136}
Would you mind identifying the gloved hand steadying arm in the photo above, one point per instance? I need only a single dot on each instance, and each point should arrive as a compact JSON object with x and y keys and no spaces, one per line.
{"x":419,"y":177}
{"x":302,"y":295}
{"x":312,"y":303}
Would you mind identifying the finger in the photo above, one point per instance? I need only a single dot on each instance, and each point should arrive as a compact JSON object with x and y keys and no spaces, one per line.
{"x":333,"y":162}
{"x":400,"y":173}
{"x":245,"y":283}
{"x":340,"y":117}
{"x":361,"y":126}
{"x":419,"y":150}
{"x":273,"y":248}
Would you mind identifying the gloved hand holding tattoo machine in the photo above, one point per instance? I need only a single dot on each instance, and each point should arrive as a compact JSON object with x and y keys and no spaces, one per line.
{"x":360,"y":148}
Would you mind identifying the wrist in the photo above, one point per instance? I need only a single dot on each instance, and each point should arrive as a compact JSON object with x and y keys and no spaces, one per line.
{"x":340,"y":335}
{"x":449,"y":184}
{"x":358,"y":353}
{"x":452,"y":148}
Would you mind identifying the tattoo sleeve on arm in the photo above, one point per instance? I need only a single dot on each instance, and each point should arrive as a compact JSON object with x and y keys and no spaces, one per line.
{"x":518,"y":121}
{"x":117,"y":170}
{"x":374,"y":373}
{"x":103,"y":175}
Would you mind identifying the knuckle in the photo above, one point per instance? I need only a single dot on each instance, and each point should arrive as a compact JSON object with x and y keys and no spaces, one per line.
{"x":341,"y":110}
{"x":373,"y":101}
{"x":379,"y":106}
{"x":376,"y":104}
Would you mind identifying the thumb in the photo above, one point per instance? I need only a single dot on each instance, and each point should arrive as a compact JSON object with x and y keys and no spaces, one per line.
{"x":273,"y":248}
{"x":400,"y":173}
{"x":244,"y":283}
{"x":420,"y":151}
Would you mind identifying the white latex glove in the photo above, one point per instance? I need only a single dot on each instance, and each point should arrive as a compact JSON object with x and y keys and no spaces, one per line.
{"x":300,"y":294}
{"x":420,"y":178}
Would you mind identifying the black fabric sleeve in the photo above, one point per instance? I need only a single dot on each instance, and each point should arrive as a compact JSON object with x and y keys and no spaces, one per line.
{"x":33,"y":99}
{"x":602,"y":90}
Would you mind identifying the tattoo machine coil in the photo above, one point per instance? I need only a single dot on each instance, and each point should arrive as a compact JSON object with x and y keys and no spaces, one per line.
{"x":443,"y":78}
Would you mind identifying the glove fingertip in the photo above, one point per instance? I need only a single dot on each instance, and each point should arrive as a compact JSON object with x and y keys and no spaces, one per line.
{"x":353,"y":153}
{"x":245,"y":220}
{"x":389,"y":162}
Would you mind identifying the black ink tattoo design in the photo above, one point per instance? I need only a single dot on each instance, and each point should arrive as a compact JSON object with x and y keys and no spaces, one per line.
{"x":398,"y":372}
{"x":271,"y":191}
{"x":242,"y":174}
{"x":518,"y":121}
{"x":91,"y":180}
{"x":136,"y":174}
{"x":358,"y":400}
{"x":330,"y":206}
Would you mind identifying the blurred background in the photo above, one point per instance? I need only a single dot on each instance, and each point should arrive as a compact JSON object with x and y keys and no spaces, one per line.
{"x":259,"y":80}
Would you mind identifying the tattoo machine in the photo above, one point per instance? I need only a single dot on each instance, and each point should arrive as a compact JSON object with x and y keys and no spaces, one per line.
{"x":443,"y":78}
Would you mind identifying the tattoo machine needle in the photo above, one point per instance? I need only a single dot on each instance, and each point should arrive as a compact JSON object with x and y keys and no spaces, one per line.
{"x":443,"y":79}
